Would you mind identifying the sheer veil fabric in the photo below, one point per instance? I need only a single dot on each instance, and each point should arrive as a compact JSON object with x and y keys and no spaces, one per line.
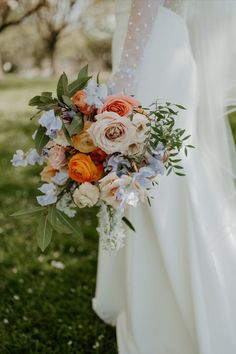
{"x":172,"y":289}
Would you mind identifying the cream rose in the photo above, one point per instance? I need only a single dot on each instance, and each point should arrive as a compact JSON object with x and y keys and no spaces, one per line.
{"x":111,"y":132}
{"x":135,"y":149}
{"x":140,"y":122}
{"x":86,"y":195}
{"x":109,"y":186}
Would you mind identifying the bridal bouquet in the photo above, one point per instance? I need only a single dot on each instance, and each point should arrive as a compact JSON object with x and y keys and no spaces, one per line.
{"x":98,"y":150}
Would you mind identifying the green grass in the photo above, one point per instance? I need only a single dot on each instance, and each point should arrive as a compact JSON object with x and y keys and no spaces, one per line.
{"x":43,"y":309}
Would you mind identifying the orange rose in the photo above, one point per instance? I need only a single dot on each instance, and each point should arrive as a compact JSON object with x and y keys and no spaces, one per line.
{"x":83,"y":141}
{"x":120,"y":104}
{"x":47,"y":173}
{"x":83,"y":169}
{"x":79,"y":100}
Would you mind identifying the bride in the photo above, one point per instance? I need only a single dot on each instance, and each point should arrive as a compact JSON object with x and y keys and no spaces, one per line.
{"x":172,"y":288}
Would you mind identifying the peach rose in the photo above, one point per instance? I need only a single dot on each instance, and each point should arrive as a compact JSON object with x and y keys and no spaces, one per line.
{"x":111,"y":132}
{"x":47,"y":173}
{"x":109,"y":186}
{"x":120,"y":104}
{"x":79,"y":100}
{"x":83,"y":169}
{"x":83,"y":141}
{"x":57,"y":157}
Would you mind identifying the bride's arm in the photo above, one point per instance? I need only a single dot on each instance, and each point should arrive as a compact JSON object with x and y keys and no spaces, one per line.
{"x":141,"y":20}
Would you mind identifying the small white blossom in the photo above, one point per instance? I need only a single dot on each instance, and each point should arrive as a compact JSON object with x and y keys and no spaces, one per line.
{"x":110,"y":228}
{"x":50,"y":122}
{"x":50,"y":194}
{"x":5,"y":321}
{"x":96,"y":94}
{"x":66,"y":205}
{"x":19,"y":159}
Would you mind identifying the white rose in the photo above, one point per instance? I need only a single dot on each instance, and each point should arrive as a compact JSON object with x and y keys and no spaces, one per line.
{"x":111,"y":132}
{"x":140,"y":122}
{"x":135,"y":149}
{"x":86,"y":195}
{"x":109,"y":186}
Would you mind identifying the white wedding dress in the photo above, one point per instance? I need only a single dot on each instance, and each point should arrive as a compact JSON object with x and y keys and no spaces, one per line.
{"x":172,"y":288}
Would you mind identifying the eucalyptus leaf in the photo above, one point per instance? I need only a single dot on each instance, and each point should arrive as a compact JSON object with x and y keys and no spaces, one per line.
{"x":41,"y":139}
{"x":44,"y":232}
{"x":62,"y":86}
{"x":68,"y":222}
{"x":83,"y":72}
{"x":76,"y":125}
{"x":67,"y":135}
{"x":28,"y":213}
{"x":68,"y":102}
{"x":77,"y":85}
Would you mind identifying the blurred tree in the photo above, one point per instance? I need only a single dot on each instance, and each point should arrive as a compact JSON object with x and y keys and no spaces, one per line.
{"x":13,"y":12}
{"x":52,"y":20}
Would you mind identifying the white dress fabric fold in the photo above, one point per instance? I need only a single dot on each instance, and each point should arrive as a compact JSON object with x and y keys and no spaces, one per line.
{"x":172,"y":288}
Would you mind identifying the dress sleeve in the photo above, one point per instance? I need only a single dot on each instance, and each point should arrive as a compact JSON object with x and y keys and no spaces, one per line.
{"x":140,"y":24}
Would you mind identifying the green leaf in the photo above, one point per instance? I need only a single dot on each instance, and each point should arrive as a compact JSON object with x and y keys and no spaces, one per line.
{"x":128,"y":223}
{"x":44,"y":232}
{"x":68,"y":222}
{"x":178,"y":167}
{"x":41,"y":139}
{"x":68,"y":102}
{"x":46,"y":93}
{"x":67,"y":135}
{"x":28,"y":213}
{"x":62,"y":86}
{"x":191,"y":146}
{"x":34,"y":101}
{"x":179,"y":106}
{"x":186,"y":151}
{"x":55,"y":223}
{"x":186,"y":137}
{"x":76,"y":125}
{"x":83,"y":72}
{"x":77,"y":85}
{"x":180,"y":174}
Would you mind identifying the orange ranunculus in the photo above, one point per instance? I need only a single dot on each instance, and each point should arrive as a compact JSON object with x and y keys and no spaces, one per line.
{"x":98,"y":155}
{"x":47,"y":173}
{"x":79,"y":100}
{"x":83,"y":169}
{"x":83,"y":140}
{"x":120,"y":104}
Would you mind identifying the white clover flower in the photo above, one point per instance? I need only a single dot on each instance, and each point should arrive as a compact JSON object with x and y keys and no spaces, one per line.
{"x":18,"y":159}
{"x":95,"y":94}
{"x":58,"y":265}
{"x":50,"y":122}
{"x":50,"y":194}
